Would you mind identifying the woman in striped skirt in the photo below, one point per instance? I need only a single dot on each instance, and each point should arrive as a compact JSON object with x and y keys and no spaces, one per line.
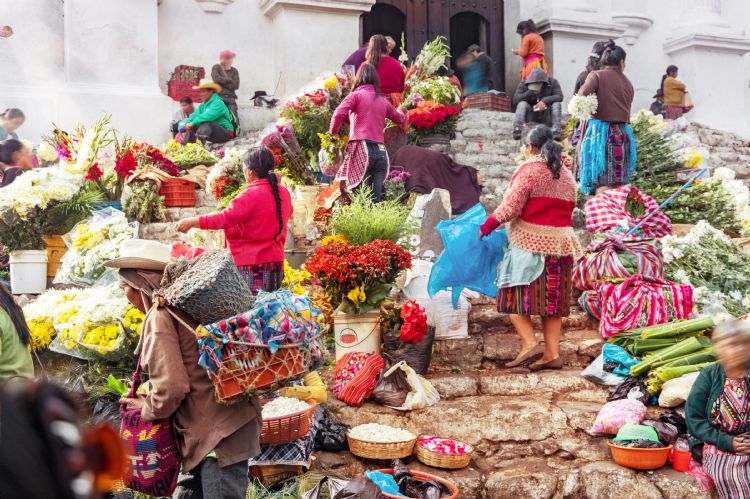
{"x":718,"y":412}
{"x":534,"y":278}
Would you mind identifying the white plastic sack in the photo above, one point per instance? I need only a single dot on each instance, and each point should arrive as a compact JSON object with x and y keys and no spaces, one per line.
{"x":449,"y":323}
{"x":422,"y":393}
{"x":675,"y":391}
{"x":595,"y":372}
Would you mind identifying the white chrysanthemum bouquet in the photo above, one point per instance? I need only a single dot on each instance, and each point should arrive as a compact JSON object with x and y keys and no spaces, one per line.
{"x":583,"y":107}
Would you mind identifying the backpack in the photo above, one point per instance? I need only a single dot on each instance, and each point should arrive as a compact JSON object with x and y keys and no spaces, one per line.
{"x":235,"y":121}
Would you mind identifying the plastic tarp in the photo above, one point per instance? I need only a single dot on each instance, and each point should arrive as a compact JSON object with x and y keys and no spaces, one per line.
{"x":467,"y":261}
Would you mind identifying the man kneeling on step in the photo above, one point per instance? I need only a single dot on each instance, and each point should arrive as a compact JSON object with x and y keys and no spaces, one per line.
{"x":538,"y":100}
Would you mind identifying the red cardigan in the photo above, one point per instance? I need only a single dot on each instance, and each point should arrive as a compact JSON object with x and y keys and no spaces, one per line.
{"x":391,"y":75}
{"x":250,"y":224}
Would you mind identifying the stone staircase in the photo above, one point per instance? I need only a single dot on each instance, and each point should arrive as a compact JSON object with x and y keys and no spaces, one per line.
{"x":530,"y":430}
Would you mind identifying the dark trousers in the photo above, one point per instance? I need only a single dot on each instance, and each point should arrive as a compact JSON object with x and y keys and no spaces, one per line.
{"x":377,"y":168}
{"x":551,"y":117}
{"x":209,"y":481}
{"x":208,"y":132}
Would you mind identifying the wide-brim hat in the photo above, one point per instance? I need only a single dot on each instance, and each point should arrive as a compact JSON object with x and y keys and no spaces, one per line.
{"x":208,"y":84}
{"x":141,"y":254}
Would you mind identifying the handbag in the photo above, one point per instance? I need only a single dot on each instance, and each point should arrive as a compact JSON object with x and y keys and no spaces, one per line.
{"x":208,"y":288}
{"x":152,"y":448}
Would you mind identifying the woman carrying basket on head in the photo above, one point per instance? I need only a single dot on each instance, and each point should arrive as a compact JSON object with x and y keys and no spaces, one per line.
{"x":254,"y":223}
{"x":215,"y":441}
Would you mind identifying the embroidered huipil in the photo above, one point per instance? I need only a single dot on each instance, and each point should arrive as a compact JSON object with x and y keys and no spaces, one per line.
{"x":539,"y":210}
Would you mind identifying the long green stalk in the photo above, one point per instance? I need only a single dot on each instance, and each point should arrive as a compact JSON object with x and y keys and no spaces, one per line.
{"x":667,"y":373}
{"x":645,"y":347}
{"x":699,"y":357}
{"x":684,"y":347}
{"x":677,"y":328}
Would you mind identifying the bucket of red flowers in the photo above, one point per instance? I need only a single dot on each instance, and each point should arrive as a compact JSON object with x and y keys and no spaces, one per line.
{"x":356,"y":279}
{"x":406,"y":335}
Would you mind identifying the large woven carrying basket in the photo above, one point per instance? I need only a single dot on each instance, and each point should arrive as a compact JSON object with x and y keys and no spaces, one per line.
{"x":488,"y":101}
{"x":380,"y":450}
{"x":444,"y":461}
{"x":254,"y":370}
{"x":209,"y":288}
{"x":285,"y":429}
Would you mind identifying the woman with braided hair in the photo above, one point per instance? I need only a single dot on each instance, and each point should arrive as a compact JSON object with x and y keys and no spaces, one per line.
{"x":254,"y":223}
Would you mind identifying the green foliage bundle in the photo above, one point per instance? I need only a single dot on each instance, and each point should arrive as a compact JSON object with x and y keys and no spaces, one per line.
{"x":364,"y":220}
{"x":707,"y":201}
{"x":656,"y":163}
{"x":142,"y":203}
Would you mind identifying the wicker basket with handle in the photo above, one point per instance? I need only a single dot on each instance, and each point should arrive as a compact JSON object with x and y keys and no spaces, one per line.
{"x":285,"y":429}
{"x":380,"y":450}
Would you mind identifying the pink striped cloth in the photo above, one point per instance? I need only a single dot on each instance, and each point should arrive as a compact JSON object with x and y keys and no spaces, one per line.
{"x":640,"y":302}
{"x":607,"y":213}
{"x":603,"y":261}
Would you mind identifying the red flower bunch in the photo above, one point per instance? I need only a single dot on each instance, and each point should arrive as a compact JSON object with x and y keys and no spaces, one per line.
{"x":217,"y":191}
{"x":278,"y":156}
{"x":146,"y":154}
{"x":281,"y":138}
{"x":415,"y":322}
{"x":427,"y":114}
{"x":125,"y":163}
{"x":94,"y":173}
{"x":319,"y":97}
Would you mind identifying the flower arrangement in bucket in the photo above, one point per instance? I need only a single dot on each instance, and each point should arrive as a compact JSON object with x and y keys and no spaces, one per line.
{"x":433,"y":107}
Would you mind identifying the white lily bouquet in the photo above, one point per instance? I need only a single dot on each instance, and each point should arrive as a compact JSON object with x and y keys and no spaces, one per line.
{"x":583,"y":107}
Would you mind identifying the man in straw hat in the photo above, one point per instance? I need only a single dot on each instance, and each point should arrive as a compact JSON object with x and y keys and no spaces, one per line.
{"x":212,"y":121}
{"x":214,"y":440}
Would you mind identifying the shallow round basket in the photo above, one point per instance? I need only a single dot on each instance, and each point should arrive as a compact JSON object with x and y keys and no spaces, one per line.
{"x":285,"y":429}
{"x":381,"y":450}
{"x":426,"y":477}
{"x":639,"y":459}
{"x":444,"y":461}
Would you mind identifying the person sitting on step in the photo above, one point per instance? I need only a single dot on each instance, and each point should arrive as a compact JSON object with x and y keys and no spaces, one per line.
{"x":539,"y":100}
{"x":212,"y":121}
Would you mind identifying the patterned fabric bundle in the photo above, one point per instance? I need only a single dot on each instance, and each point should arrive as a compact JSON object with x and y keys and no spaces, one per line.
{"x":277,"y":318}
{"x":607,"y":212}
{"x":640,"y":302}
{"x":209,"y":288}
{"x":607,"y":155}
{"x":614,"y":258}
{"x":589,"y":302}
{"x":152,"y":449}
{"x":356,"y":376}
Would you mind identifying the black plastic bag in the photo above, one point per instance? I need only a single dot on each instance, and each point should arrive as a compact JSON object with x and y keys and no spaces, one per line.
{"x":668,"y":433}
{"x":413,"y":487}
{"x":641,"y":444}
{"x":331,"y":435}
{"x":675,"y":419}
{"x":106,"y":409}
{"x":417,"y":355}
{"x":623,"y":391}
{"x":391,"y":391}
{"x":359,"y":488}
{"x":327,"y":487}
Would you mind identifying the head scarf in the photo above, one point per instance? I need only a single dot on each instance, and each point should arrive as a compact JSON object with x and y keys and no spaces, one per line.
{"x":145,"y":281}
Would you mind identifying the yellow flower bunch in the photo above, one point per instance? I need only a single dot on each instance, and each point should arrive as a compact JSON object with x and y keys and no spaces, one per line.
{"x":72,"y":335}
{"x":293,"y":278}
{"x":171,"y":146}
{"x":331,"y":83}
{"x":84,"y":237}
{"x":65,"y":316}
{"x":41,"y":334}
{"x":133,"y":320}
{"x":334,"y":239}
{"x":103,"y":337}
{"x":693,"y":158}
{"x":357,"y":295}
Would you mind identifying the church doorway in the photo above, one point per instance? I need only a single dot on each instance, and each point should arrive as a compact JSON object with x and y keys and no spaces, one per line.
{"x":466,"y":29}
{"x":385,"y":20}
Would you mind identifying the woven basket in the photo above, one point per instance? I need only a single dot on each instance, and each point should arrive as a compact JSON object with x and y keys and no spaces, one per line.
{"x":285,"y":429}
{"x":426,"y":477}
{"x":444,"y":461}
{"x":380,"y":450}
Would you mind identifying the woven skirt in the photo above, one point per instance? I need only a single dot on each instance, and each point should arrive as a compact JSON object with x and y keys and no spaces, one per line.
{"x":730,"y":473}
{"x":548,"y":296}
{"x":266,"y":276}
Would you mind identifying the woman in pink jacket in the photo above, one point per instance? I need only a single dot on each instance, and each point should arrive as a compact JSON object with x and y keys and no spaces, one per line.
{"x":254,"y":223}
{"x":365,"y":109}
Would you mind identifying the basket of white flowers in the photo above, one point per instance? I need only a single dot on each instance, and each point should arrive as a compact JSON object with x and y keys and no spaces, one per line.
{"x":285,"y":419}
{"x":377,"y":441}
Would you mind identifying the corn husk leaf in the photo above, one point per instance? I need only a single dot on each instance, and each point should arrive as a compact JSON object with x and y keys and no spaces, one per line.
{"x":656,"y":378}
{"x":676,"y":328}
{"x":699,"y":357}
{"x":682,"y":348}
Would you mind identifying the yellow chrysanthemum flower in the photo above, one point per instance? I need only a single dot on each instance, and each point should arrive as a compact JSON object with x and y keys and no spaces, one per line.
{"x":331,"y":83}
{"x":336,"y":238}
{"x":41,"y":334}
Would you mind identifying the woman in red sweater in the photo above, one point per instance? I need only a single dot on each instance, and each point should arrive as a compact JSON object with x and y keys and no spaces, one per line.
{"x":254,"y":223}
{"x":390,"y":71}
{"x":534,"y":278}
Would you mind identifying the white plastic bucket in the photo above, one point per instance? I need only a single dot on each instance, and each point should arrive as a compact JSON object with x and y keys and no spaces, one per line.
{"x":28,"y":272}
{"x":357,"y":333}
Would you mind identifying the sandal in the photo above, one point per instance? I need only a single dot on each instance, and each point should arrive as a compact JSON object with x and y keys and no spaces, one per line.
{"x":555,"y":363}
{"x":529,"y":356}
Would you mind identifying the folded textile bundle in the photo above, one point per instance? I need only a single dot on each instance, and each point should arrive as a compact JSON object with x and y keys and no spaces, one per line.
{"x":277,"y":318}
{"x":618,"y":258}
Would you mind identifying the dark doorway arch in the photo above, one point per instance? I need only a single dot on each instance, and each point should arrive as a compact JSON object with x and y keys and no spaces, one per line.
{"x":384,"y":19}
{"x":467,"y":28}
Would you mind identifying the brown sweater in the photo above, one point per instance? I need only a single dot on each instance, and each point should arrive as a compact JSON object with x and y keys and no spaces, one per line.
{"x":229,"y":79}
{"x":182,"y":388}
{"x":614,"y":92}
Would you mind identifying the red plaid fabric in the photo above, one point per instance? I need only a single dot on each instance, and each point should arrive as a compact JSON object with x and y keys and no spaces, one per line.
{"x":355,"y":164}
{"x":606,"y":213}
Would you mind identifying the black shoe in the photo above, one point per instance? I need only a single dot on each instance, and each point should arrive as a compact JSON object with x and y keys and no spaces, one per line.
{"x":516,"y":134}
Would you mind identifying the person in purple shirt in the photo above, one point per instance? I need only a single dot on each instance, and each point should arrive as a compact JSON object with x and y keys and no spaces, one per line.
{"x":356,"y":59}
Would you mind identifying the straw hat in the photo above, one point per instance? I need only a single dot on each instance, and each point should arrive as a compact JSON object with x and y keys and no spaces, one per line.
{"x":204,"y":83}
{"x":141,"y":254}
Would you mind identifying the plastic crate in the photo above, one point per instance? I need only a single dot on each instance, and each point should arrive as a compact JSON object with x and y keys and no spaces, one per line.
{"x":178,"y":193}
{"x":488,"y":102}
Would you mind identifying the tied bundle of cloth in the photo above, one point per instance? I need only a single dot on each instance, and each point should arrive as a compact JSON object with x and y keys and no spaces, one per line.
{"x":277,"y":318}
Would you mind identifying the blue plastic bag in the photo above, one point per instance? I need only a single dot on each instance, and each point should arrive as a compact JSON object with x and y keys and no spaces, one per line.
{"x":386,"y":482}
{"x":617,"y":355}
{"x":467,"y":261}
